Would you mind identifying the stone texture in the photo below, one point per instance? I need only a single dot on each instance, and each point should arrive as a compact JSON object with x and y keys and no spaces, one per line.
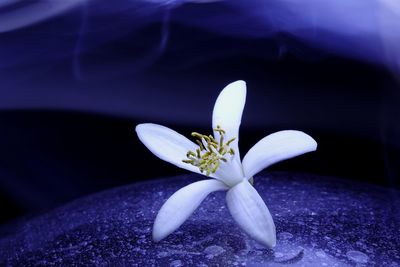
{"x":320,"y":222}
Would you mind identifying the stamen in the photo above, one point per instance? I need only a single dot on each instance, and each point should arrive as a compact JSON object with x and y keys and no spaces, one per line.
{"x":210,"y":152}
{"x":200,"y":145}
{"x":190,"y":153}
{"x":197,"y":135}
{"x":219,"y":130}
{"x":230,"y":141}
{"x":212,"y":139}
{"x":215,"y":167}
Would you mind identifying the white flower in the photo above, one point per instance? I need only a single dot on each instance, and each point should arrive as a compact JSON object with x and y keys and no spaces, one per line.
{"x":220,"y":159}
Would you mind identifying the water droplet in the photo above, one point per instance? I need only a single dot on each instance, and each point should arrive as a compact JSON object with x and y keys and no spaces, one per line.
{"x":176,"y":263}
{"x":213,"y":251}
{"x":357,"y":256}
{"x":287,"y":253}
{"x":162,"y":254}
{"x":285,"y":236}
{"x":278,"y":255}
{"x":321,"y":254}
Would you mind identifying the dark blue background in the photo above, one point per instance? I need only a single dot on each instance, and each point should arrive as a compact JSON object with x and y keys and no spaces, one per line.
{"x":73,"y":87}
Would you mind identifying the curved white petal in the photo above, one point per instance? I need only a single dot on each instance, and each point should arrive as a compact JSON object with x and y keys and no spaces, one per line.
{"x":227,"y":113}
{"x":167,"y":144}
{"x":181,"y":205}
{"x":230,"y":172}
{"x":276,"y":147}
{"x":250,"y":212}
{"x":228,"y":110}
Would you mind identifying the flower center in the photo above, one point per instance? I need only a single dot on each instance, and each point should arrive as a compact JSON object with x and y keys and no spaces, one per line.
{"x":210,"y":152}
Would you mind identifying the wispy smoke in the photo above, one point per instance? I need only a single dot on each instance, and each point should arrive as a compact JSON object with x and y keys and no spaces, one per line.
{"x":365,"y":30}
{"x":52,"y":48}
{"x":15,"y":14}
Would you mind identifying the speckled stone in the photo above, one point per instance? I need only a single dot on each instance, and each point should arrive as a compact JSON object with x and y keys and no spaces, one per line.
{"x":320,"y":222}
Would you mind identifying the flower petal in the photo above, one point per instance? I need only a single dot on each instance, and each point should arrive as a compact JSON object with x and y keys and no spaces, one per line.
{"x":167,"y":144}
{"x":227,"y":113}
{"x":228,"y":110}
{"x":276,"y":147}
{"x":250,"y":212}
{"x":181,"y":205}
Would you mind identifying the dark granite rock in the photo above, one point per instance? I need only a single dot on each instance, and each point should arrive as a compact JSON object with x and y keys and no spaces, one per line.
{"x":320,"y":222}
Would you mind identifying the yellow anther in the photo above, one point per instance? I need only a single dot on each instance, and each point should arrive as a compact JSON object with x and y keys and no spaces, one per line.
{"x":230,"y":141}
{"x":215,"y":167}
{"x":209,"y":148}
{"x":212,"y":139}
{"x":214,"y":145}
{"x":190,"y":153}
{"x":200,"y":144}
{"x":210,"y":152}
{"x":197,"y":135}
{"x":219,"y":130}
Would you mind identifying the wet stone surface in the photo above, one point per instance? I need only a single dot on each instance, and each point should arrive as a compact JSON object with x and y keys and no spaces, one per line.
{"x":320,"y":222}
